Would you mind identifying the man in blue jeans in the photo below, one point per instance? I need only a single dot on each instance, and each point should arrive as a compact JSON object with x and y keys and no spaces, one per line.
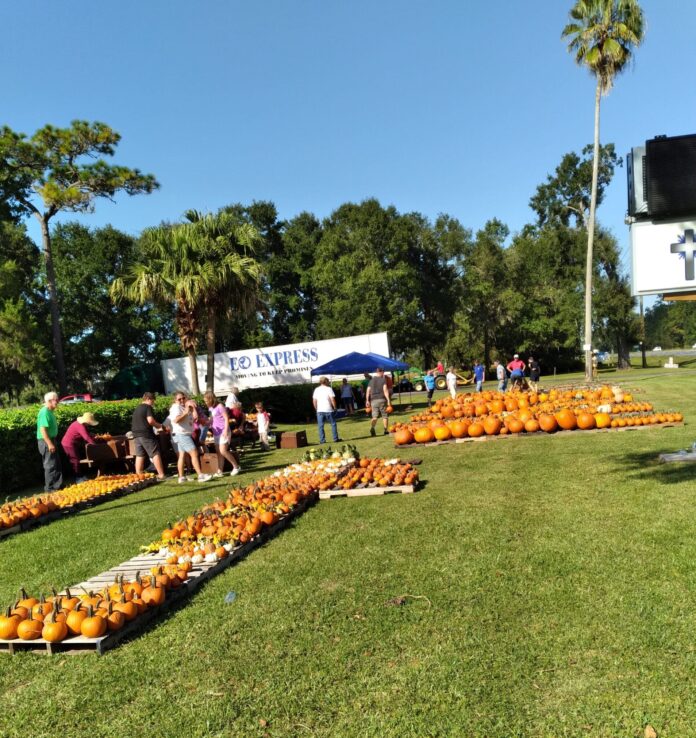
{"x":479,"y":375}
{"x":324,"y":401}
{"x":429,"y":385}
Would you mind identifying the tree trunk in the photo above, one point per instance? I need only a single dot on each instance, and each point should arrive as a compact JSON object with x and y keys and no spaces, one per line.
{"x":623,"y":357}
{"x":55,"y":310}
{"x":590,"y":240}
{"x":210,"y":346}
{"x":193,"y":366}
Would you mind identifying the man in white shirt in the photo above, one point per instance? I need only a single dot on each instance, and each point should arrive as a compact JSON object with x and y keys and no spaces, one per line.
{"x":182,"y":414}
{"x":324,"y":401}
{"x":451,"y":379}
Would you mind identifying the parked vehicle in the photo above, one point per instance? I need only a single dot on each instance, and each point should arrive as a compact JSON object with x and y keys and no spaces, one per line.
{"x":657,"y":348}
{"x":417,"y":378}
{"x":72,"y":399}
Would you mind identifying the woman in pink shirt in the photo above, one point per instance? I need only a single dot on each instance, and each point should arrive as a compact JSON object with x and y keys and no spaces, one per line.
{"x":74,"y":440}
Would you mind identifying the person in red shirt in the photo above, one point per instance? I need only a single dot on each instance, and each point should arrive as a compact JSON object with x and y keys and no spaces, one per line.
{"x":74,"y":441}
{"x":516,"y":368}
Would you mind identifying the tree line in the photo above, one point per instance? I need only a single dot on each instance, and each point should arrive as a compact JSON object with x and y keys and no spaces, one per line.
{"x":243,"y":277}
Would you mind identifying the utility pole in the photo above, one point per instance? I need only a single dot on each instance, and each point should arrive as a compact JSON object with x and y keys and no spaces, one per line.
{"x":644,"y":362}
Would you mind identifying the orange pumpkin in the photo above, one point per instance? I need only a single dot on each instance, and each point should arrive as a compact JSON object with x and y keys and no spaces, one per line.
{"x":475,"y":430}
{"x":403,"y":436}
{"x":459,"y":428}
{"x":566,"y":419}
{"x":443,"y":433}
{"x":424,"y":435}
{"x":532,"y":425}
{"x":602,"y":420}
{"x":491,"y":425}
{"x":586,"y":421}
{"x":515,"y":425}
{"x":548,"y":423}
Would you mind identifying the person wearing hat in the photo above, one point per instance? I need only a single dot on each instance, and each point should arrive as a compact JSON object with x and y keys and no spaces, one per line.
{"x":74,"y":441}
{"x":516,"y":368}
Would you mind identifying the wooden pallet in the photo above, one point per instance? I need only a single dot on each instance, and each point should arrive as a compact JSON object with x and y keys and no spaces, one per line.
{"x":199,"y":574}
{"x":367,"y":491}
{"x":73,"y":509}
{"x":541,"y":434}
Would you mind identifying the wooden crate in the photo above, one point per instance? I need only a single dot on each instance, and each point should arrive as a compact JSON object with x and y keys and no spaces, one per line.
{"x":293,"y":439}
{"x":199,"y":574}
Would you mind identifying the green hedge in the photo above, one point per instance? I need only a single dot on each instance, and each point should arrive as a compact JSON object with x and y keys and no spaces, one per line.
{"x":21,"y":467}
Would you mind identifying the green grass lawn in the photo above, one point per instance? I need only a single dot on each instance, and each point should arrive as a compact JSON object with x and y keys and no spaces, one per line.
{"x":549,"y":589}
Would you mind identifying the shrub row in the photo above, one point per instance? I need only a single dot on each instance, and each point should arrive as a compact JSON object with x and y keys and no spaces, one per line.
{"x":21,"y":465}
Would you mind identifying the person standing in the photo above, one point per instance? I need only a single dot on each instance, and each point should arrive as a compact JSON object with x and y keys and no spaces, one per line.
{"x":263,"y":423}
{"x":451,"y":380}
{"x":324,"y":402}
{"x":429,"y":380}
{"x":479,"y":375}
{"x":143,"y":424}
{"x":182,"y":414}
{"x":232,"y":398}
{"x":220,"y":427}
{"x":347,"y":397}
{"x":46,"y":433}
{"x":500,"y":375}
{"x":516,"y":368}
{"x":378,"y":399}
{"x":534,"y":372}
{"x":74,"y":441}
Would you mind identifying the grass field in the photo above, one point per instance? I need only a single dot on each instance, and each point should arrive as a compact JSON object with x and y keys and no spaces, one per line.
{"x":549,"y":589}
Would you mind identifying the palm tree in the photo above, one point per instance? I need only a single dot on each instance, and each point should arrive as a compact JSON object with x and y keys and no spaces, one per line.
{"x":170,"y":271}
{"x":198,"y":267}
{"x":602,"y":35}
{"x":231,"y":246}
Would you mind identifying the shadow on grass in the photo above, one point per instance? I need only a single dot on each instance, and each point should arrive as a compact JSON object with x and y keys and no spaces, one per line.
{"x":647,"y":465}
{"x":130,"y":503}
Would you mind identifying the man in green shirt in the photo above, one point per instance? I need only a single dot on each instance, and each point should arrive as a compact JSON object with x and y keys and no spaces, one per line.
{"x":46,"y":433}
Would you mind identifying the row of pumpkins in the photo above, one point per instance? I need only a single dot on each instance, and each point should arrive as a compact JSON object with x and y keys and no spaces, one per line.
{"x":207,"y":535}
{"x":90,"y":614}
{"x":15,"y":512}
{"x":247,"y":510}
{"x":495,"y":413}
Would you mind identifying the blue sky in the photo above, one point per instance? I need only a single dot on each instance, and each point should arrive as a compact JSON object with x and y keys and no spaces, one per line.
{"x":444,"y":106}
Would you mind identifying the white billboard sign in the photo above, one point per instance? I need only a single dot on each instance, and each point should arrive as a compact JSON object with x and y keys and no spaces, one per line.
{"x":263,"y":367}
{"x":663,"y":257}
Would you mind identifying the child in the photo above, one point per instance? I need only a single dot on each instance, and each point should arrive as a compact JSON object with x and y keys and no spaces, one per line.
{"x":263,"y":421}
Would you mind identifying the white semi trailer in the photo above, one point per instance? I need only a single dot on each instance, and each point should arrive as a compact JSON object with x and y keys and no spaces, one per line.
{"x":271,"y":365}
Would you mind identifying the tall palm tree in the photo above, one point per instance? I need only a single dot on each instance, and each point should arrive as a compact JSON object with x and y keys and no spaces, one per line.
{"x":170,"y":271}
{"x":197,"y":266}
{"x":231,"y":246}
{"x":602,"y":34}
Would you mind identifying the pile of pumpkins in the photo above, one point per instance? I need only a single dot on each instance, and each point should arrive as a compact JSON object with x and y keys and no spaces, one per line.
{"x":90,"y":614}
{"x":17,"y":511}
{"x":221,"y":526}
{"x":207,"y":535}
{"x":497,"y":413}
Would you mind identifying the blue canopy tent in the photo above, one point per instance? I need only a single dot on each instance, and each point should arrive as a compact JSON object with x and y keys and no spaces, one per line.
{"x":357,"y":363}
